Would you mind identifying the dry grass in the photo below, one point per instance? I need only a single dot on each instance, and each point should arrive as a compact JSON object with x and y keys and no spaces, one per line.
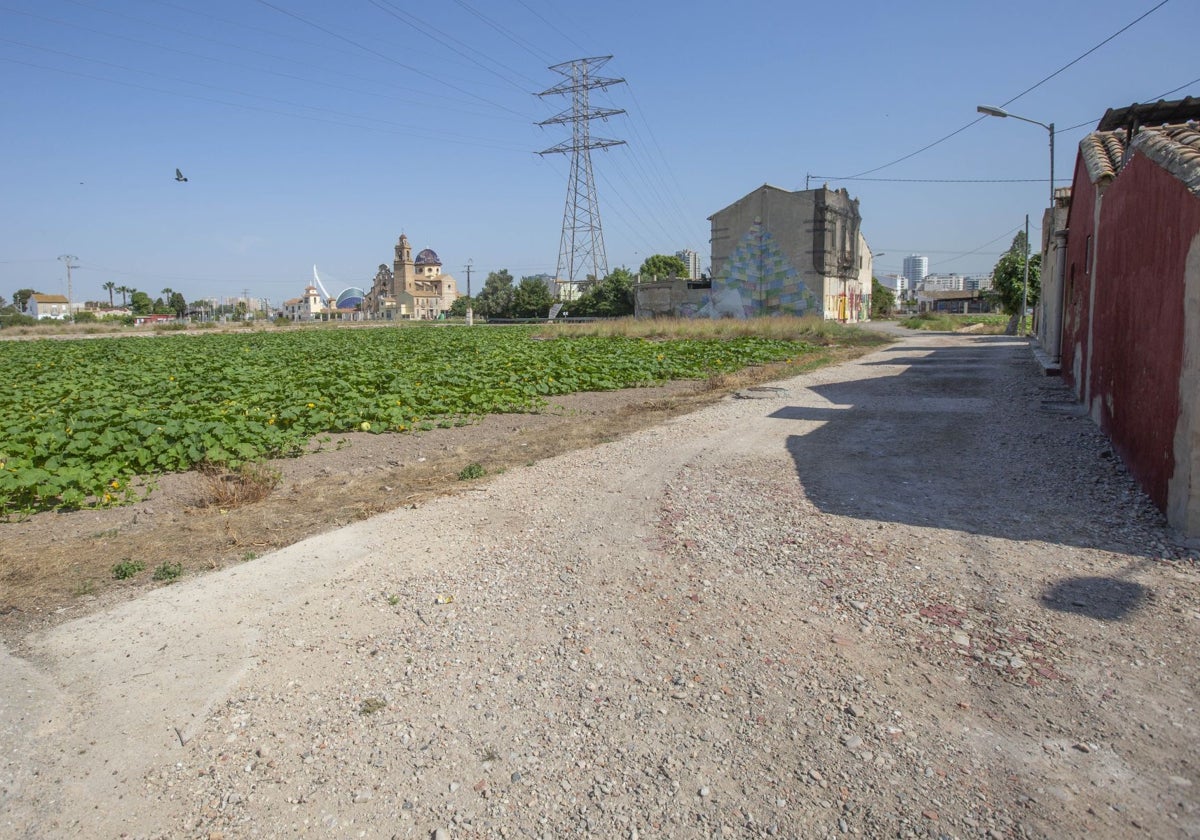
{"x":227,"y":488}
{"x":782,"y":328}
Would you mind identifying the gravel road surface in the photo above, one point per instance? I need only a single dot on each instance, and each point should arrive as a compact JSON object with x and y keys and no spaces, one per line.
{"x":913,"y":595}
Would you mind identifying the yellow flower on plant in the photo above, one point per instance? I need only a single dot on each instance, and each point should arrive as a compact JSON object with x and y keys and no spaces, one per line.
{"x":114,"y":484}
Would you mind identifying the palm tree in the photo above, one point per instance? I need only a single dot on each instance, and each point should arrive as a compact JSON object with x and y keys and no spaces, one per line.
{"x":110,"y":286}
{"x":124,"y":290}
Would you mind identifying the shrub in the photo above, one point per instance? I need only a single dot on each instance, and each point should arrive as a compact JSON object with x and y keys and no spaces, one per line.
{"x":168,"y":572}
{"x":127,"y":568}
{"x":471,"y":471}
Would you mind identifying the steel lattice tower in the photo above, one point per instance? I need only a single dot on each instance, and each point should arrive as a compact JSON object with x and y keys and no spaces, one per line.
{"x":582,"y":243}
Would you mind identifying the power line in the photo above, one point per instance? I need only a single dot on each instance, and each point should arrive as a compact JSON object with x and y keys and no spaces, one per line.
{"x":1075,"y":61}
{"x":558,"y":31}
{"x":385,"y":57}
{"x":369,"y":123}
{"x":937,"y":180}
{"x":92,"y":31}
{"x":507,"y":33}
{"x":445,"y":39}
{"x":1014,"y":99}
{"x":1152,"y":99}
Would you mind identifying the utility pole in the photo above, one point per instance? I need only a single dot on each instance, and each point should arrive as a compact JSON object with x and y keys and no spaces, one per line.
{"x":470,"y":303}
{"x":582,"y":242}
{"x":1025,"y":288}
{"x":68,"y":259}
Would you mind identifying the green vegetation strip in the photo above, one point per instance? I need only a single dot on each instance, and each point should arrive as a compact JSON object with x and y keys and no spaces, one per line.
{"x":83,"y":419}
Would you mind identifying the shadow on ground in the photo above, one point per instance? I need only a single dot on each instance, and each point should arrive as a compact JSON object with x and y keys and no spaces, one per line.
{"x":1103,"y":598}
{"x":959,"y":437}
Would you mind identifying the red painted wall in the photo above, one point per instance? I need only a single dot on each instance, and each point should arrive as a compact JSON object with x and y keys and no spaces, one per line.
{"x":1147,"y":222}
{"x":1076,"y":279}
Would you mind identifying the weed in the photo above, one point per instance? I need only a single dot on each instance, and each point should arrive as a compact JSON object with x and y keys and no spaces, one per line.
{"x":393,"y":600}
{"x":490,"y":754}
{"x":372,"y":705}
{"x":228,"y":488}
{"x":168,"y":572}
{"x":86,"y":587}
{"x":128,"y":568}
{"x":471,"y":471}
{"x":249,"y":555}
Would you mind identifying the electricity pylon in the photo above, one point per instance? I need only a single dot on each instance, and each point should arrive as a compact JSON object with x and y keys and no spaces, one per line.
{"x":582,"y":243}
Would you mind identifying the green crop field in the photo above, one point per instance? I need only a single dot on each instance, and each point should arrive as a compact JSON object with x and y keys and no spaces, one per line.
{"x":82,"y":419}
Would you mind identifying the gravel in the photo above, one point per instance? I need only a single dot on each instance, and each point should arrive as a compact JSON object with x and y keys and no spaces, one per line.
{"x":891,"y":599}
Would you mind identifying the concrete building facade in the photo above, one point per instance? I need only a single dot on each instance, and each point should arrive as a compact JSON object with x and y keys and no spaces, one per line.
{"x":915,"y":269}
{"x":54,"y":307}
{"x":776,"y":252}
{"x":692,"y":260}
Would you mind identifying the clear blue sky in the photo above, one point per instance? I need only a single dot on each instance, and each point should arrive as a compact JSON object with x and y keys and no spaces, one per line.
{"x":316,"y":132}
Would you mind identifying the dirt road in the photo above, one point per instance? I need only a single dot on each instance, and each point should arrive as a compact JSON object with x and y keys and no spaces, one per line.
{"x":912,"y":595}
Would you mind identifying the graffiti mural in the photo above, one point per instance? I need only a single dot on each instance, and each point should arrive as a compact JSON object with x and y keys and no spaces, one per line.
{"x":758,"y":279}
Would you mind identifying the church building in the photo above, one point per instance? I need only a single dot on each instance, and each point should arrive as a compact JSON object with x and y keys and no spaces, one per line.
{"x":411,"y":289}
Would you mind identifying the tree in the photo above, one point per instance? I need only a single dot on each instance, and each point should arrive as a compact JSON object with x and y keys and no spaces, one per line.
{"x":532,"y":298}
{"x":177,"y":304}
{"x":110,"y":287}
{"x":124,"y":290}
{"x":1008,"y":280}
{"x":140,"y":302}
{"x":662,"y":266}
{"x":459,"y":308}
{"x":495,"y":301}
{"x":612,"y":297}
{"x":883,"y":300}
{"x":21,"y":298}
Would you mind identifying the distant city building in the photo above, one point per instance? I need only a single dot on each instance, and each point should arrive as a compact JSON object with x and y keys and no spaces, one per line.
{"x":915,"y":269}
{"x":692,"y":260}
{"x":943,"y":283}
{"x":898,"y":283}
{"x":978,"y":282}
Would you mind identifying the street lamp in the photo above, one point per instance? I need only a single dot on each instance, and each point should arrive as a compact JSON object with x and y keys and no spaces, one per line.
{"x":992,"y":111}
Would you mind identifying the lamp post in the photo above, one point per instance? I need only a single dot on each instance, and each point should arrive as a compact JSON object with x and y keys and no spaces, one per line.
{"x":992,"y":111}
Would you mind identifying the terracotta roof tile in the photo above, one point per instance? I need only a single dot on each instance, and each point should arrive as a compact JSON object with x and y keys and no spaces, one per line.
{"x":1176,"y":148}
{"x":1102,"y":153}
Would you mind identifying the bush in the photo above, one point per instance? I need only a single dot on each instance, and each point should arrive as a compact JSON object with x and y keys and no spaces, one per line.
{"x":471,"y":471}
{"x":127,"y":568}
{"x":168,"y":572}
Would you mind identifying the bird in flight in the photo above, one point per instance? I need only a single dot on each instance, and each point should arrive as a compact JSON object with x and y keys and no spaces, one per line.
{"x":179,"y":176}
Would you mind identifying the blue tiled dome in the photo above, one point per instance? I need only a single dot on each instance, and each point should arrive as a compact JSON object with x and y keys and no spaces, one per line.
{"x":427,"y":257}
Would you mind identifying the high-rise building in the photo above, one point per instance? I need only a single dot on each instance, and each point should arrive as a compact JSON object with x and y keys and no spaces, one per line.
{"x":915,"y":269}
{"x":692,"y":260}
